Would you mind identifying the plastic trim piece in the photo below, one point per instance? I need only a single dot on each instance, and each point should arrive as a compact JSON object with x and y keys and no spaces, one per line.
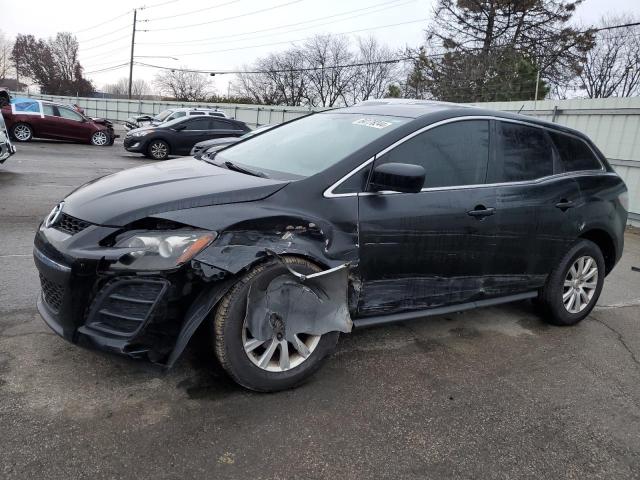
{"x":404,"y":316}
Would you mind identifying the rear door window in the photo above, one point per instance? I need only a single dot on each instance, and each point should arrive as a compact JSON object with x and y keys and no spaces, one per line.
{"x":575,"y":154}
{"x":202,"y":123}
{"x":453,"y":154}
{"x":220,"y":124}
{"x":522,"y":153}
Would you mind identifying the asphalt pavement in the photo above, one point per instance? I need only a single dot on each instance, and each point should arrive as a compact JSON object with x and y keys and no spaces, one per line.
{"x":492,"y":393}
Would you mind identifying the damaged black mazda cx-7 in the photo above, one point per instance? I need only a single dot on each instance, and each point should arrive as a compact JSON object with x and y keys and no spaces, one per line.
{"x":382,"y":212}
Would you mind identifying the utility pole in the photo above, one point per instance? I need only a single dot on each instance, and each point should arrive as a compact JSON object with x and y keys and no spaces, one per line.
{"x":133,"y":44}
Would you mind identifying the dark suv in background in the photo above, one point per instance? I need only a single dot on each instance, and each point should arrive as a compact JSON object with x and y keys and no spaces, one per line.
{"x":177,"y":137}
{"x":383,"y":212}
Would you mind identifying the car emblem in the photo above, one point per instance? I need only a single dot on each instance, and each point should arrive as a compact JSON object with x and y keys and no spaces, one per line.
{"x":53,"y":217}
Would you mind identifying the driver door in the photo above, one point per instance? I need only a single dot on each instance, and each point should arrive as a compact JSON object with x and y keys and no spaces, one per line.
{"x":435,"y":247}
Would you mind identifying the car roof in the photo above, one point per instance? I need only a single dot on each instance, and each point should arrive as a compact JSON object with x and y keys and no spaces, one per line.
{"x":196,"y":109}
{"x":415,"y":109}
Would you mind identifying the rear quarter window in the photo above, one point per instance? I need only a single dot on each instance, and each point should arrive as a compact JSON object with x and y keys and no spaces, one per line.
{"x":575,"y":154}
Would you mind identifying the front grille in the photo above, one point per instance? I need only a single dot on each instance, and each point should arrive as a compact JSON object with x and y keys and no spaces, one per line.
{"x":124,"y":306}
{"x":70,"y":225}
{"x":52,"y":293}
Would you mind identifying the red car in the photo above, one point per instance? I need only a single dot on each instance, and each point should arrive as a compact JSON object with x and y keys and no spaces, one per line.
{"x":27,"y":118}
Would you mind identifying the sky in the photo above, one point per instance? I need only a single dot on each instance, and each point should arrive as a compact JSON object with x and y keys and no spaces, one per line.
{"x":226,"y":34}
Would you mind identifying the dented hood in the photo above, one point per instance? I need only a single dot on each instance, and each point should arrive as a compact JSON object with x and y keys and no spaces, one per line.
{"x":126,"y":196}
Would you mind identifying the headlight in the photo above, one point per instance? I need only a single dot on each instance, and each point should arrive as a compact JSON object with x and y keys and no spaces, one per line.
{"x":141,"y":133}
{"x":161,"y":250}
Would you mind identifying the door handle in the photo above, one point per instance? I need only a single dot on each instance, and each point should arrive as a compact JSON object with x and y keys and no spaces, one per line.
{"x":564,"y":204}
{"x":480,"y":211}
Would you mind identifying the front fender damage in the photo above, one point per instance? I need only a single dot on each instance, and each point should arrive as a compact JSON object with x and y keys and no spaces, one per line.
{"x":313,"y":304}
{"x":293,"y":303}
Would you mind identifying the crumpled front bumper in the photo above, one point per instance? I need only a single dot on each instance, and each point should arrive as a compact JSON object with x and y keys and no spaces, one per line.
{"x":135,"y":315}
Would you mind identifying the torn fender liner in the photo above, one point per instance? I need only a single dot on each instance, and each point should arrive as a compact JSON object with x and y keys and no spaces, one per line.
{"x":293,"y":303}
{"x":196,"y":314}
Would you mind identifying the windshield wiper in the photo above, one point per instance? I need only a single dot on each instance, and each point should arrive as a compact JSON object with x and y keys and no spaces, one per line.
{"x":248,"y":171}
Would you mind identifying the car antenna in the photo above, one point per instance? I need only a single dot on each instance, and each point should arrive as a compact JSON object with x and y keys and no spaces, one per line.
{"x":521,"y":108}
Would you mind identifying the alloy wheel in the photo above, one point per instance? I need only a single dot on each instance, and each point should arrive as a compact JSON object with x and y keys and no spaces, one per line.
{"x":277,"y":354}
{"x":580,"y":284}
{"x":22,"y":132}
{"x":159,"y":150}
{"x":99,"y":138}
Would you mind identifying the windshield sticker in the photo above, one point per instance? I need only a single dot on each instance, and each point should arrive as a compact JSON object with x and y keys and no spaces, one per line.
{"x":370,"y":122}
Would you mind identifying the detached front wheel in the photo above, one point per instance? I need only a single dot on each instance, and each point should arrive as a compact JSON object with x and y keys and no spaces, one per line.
{"x":276,"y":363}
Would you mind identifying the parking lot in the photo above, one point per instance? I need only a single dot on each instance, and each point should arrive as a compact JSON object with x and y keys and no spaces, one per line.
{"x":492,"y":393}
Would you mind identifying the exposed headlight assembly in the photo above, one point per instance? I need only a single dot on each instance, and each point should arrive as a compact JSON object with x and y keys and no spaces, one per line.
{"x":161,"y":250}
{"x":141,"y":133}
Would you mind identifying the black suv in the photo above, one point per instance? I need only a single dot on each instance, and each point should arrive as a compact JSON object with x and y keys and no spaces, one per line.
{"x":382,"y":212}
{"x":177,"y":137}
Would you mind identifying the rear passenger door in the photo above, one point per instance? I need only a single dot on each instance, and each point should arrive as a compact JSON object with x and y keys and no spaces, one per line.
{"x":535,"y":214}
{"x":196,"y":130}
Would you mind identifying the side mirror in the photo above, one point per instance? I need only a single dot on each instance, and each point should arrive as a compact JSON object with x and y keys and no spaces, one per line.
{"x":179,"y":128}
{"x":397,"y":177}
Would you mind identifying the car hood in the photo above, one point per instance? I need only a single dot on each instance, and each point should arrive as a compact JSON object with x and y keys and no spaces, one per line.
{"x":217,"y":141}
{"x":123,"y":197}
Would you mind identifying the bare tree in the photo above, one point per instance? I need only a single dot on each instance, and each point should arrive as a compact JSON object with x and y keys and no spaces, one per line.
{"x":612,"y":67}
{"x":329,"y":74}
{"x":183,"y":85}
{"x":258,"y":87}
{"x":53,"y":64}
{"x":6,"y":65}
{"x":139,"y":88}
{"x":376,"y":72}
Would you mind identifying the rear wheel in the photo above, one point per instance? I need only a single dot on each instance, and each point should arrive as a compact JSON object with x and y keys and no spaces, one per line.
{"x":99,"y":139}
{"x":274,"y":364}
{"x":158,"y":150}
{"x":22,"y":132}
{"x":574,"y":286}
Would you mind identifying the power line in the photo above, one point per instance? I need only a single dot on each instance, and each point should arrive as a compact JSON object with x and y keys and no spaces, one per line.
{"x":102,"y":23}
{"x":107,"y":43}
{"x":358,"y":11}
{"x":624,"y":25}
{"x":191,"y":12}
{"x":226,"y":18}
{"x":286,"y":70}
{"x":104,"y":34}
{"x":107,"y":69}
{"x":297,"y":40}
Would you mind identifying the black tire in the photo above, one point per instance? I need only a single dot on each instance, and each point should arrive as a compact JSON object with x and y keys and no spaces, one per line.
{"x":550,"y":299}
{"x":158,"y":150}
{"x":22,"y":132}
{"x":228,"y":324}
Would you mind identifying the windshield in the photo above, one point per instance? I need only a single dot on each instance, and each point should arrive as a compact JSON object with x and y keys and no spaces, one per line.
{"x":311,"y":144}
{"x":162,"y":115}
